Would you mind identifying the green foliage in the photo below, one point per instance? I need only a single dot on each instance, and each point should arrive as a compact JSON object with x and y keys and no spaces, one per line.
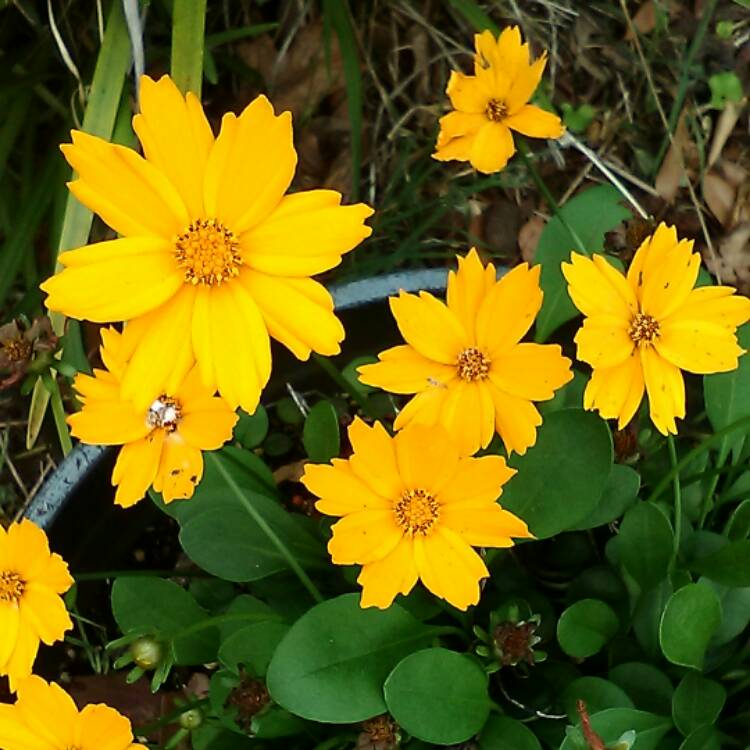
{"x":320,"y":435}
{"x":644,"y":544}
{"x":586,"y":627}
{"x":613,"y":723}
{"x":251,"y":429}
{"x":504,"y":733}
{"x":697,"y":702}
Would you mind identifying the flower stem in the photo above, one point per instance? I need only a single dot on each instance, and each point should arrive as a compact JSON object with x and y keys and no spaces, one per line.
{"x":266,"y":529}
{"x":333,"y":372}
{"x":677,"y":500}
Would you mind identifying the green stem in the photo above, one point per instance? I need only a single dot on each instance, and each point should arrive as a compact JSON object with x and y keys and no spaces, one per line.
{"x":266,"y":529}
{"x":58,"y":412}
{"x":691,"y":455}
{"x":708,"y":495}
{"x":677,"y":501}
{"x":332,"y":371}
{"x":523,"y":149}
{"x":188,"y":41}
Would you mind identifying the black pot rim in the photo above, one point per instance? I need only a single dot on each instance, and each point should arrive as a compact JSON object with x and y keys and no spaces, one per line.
{"x":62,"y":484}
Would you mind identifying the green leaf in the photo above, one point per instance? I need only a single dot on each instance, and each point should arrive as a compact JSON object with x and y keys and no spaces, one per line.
{"x":591,"y":214}
{"x":252,"y":646}
{"x":735,"y":611}
{"x":620,"y":493}
{"x":645,"y":544}
{"x":689,"y":620}
{"x":697,"y":702}
{"x":729,"y":565}
{"x":586,"y":627}
{"x":321,"y":435}
{"x":597,"y":693}
{"x":561,"y":479}
{"x":188,"y":23}
{"x":738,"y":526}
{"x":504,"y":733}
{"x":162,"y":608}
{"x":612,"y":723}
{"x":471,"y":11}
{"x":438,"y":696}
{"x":705,"y":738}
{"x":212,"y":737}
{"x":275,"y":722}
{"x":727,"y":396}
{"x":331,"y":665}
{"x":251,"y":429}
{"x":648,"y":687}
{"x":647,"y":616}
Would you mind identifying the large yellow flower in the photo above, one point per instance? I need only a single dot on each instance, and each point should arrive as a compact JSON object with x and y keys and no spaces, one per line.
{"x":464,"y":360}
{"x":493,"y":102}
{"x":641,"y":329}
{"x":45,"y":718}
{"x":162,"y":442}
{"x":213,"y":255}
{"x":413,"y":508}
{"x":31,"y":608}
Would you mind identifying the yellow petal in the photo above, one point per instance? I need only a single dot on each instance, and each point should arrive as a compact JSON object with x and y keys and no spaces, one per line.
{"x":597,"y":288}
{"x":55,"y":575}
{"x":175,"y":136}
{"x":477,"y":480}
{"x":666,"y":288}
{"x":500,"y":61}
{"x":467,"y":289}
{"x":361,"y":538}
{"x":604,"y":341}
{"x":427,"y":457}
{"x":535,"y":122}
{"x":713,"y":304}
{"x":207,"y":424}
{"x":456,"y":149}
{"x":231,"y":344}
{"x":340,"y":490}
{"x":394,"y":574}
{"x":21,"y":662}
{"x":103,"y":728}
{"x":374,"y":458}
{"x":114,"y":280}
{"x":429,"y":326}
{"x":306,"y":234}
{"x":160,"y":350}
{"x":616,"y":392}
{"x":45,"y":612}
{"x":448,"y":567}
{"x":509,"y":310}
{"x":180,"y":469}
{"x":492,"y":147}
{"x":26,"y":549}
{"x":469,"y":416}
{"x":15,"y":734}
{"x":467,"y":93}
{"x":457,"y":124}
{"x":402,"y":369}
{"x":108,"y":423}
{"x":38,"y":702}
{"x":516,"y":420}
{"x":665,"y":388}
{"x":424,"y":408}
{"x":524,"y":85}
{"x":698,"y":346}
{"x":136,"y":468}
{"x":531,"y":371}
{"x":487,"y":526}
{"x":9,"y":626}
{"x":250,"y":166}
{"x":650,"y":255}
{"x":297,"y":312}
{"x":131,"y":195}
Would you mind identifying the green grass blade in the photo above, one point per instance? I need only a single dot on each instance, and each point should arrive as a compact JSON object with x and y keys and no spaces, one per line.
{"x":188,"y":26}
{"x":337,"y":16}
{"x":474,"y":15}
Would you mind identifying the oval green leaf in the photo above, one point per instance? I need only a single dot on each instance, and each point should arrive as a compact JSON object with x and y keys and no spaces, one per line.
{"x":321,"y":435}
{"x":645,"y":544}
{"x":648,"y":687}
{"x":729,"y":565}
{"x":586,"y":627}
{"x":597,"y":693}
{"x":611,"y":724}
{"x":504,"y":733}
{"x":620,"y":493}
{"x":697,"y":702}
{"x":438,"y":696}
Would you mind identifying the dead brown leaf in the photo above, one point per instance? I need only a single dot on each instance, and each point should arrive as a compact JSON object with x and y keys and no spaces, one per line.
{"x":528,"y":237}
{"x":719,"y":196}
{"x":724,"y":127}
{"x":671,"y":173}
{"x":645,"y":18}
{"x":734,"y":258}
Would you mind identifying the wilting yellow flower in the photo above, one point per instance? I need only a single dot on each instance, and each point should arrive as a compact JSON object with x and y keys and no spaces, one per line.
{"x":31,"y":608}
{"x":162,"y":442}
{"x":413,"y":508}
{"x":45,"y":718}
{"x":464,"y":360}
{"x":641,"y":329}
{"x":493,"y":102}
{"x":213,"y":256}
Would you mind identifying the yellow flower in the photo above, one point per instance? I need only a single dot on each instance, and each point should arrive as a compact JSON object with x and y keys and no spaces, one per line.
{"x":45,"y":718}
{"x":213,"y":255}
{"x":493,"y":102}
{"x":464,"y":360}
{"x":31,"y":608}
{"x":640,"y":330}
{"x":413,"y":508}
{"x":162,"y":442}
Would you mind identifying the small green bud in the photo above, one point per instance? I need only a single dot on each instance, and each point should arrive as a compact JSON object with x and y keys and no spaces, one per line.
{"x":725,"y":29}
{"x":147,"y":653}
{"x":191,"y":719}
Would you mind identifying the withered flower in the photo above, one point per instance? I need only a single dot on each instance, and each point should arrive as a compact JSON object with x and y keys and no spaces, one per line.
{"x":20,"y":342}
{"x":379,"y":733}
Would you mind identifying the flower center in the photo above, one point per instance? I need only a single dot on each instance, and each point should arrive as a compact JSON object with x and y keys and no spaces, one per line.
{"x":473,"y":365}
{"x":12,"y":587}
{"x":209,"y":252}
{"x":165,"y":413}
{"x":643,"y":328}
{"x":17,"y":350}
{"x":496,"y":110}
{"x":416,"y":512}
